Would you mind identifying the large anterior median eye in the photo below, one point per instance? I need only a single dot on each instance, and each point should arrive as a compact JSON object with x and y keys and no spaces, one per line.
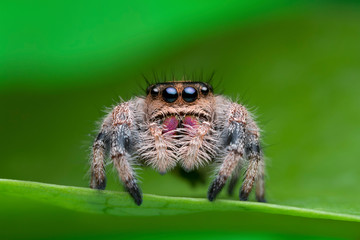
{"x":170,"y":94}
{"x":189,"y":94}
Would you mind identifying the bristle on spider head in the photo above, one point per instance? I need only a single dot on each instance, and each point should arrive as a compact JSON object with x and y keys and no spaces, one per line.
{"x":163,"y":77}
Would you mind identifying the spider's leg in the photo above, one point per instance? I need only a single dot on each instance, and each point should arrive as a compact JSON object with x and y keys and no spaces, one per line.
{"x":234,"y":180}
{"x":120,"y":151}
{"x":260,"y":183}
{"x":255,"y":169}
{"x":98,"y":178}
{"x":120,"y":156}
{"x":233,"y":154}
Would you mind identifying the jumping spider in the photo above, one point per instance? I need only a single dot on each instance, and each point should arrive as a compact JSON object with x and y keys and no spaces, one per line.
{"x":181,"y":123}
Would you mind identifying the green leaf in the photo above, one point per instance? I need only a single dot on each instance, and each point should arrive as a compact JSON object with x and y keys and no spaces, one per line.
{"x":120,"y":204}
{"x":225,"y":216}
{"x":298,"y":63}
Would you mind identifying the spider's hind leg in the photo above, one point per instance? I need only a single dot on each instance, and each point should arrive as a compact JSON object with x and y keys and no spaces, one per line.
{"x":100,"y":147}
{"x":98,"y":177}
{"x":255,"y":170}
{"x":260,"y":183}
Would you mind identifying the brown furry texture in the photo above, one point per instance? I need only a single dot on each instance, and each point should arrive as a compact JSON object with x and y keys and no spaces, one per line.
{"x":208,"y":128}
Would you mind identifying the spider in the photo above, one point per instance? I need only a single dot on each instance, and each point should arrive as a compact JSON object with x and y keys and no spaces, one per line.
{"x":181,"y":123}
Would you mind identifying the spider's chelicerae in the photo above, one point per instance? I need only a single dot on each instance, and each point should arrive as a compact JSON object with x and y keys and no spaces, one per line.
{"x":181,"y":123}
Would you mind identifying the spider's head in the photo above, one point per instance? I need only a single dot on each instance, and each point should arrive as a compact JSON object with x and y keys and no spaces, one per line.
{"x":179,"y":99}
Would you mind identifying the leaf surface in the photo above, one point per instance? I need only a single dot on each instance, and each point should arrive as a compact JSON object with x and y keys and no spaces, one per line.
{"x":120,"y":204}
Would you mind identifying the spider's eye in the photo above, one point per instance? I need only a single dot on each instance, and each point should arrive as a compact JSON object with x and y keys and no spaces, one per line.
{"x":170,"y":94}
{"x":189,"y":94}
{"x":205,"y":90}
{"x":154,"y":91}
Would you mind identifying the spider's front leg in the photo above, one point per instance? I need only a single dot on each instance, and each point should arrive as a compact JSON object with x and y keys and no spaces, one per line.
{"x":234,"y":150}
{"x":242,"y":141}
{"x":120,"y":151}
{"x":121,"y":141}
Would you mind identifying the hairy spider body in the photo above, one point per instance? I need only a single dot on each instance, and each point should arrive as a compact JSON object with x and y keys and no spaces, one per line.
{"x":181,"y":123}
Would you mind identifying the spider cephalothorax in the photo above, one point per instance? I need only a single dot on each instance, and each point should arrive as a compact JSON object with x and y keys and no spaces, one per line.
{"x":181,"y":123}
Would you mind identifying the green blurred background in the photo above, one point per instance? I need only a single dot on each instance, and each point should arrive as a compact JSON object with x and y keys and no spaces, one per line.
{"x":297,"y":62}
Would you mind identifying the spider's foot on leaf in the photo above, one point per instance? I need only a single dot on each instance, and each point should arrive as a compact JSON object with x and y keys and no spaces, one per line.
{"x":244,"y":196}
{"x":262,"y":199}
{"x":135,"y":193}
{"x":99,"y":184}
{"x":216,"y":187}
